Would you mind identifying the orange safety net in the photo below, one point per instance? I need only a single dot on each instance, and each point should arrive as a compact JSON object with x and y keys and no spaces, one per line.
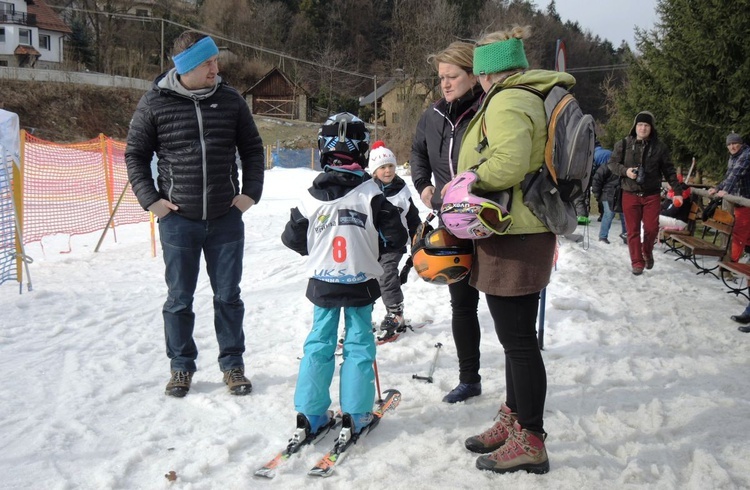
{"x":74,"y":188}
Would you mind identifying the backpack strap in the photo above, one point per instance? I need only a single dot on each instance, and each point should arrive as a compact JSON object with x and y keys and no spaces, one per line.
{"x":551,"y":125}
{"x":549,"y":147}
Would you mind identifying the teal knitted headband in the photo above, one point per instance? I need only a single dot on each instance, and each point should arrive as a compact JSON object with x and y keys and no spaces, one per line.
{"x":499,"y":56}
{"x":196,"y":54}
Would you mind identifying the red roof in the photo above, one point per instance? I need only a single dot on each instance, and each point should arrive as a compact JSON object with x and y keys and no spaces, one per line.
{"x":23,"y":49}
{"x":46,"y":18}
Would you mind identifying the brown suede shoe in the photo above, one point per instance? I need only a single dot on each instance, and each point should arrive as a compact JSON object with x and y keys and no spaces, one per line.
{"x":237,"y":382}
{"x":179,"y":384}
{"x":637,"y":271}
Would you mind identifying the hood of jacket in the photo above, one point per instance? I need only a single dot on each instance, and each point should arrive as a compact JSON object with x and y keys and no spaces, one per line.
{"x":169,"y":81}
{"x":336,"y":182}
{"x":653,"y":134}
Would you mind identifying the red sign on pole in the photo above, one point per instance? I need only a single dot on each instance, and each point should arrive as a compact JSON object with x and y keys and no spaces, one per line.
{"x":561,"y":56}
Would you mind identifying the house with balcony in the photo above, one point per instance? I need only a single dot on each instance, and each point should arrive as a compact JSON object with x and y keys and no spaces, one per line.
{"x":31,"y":34}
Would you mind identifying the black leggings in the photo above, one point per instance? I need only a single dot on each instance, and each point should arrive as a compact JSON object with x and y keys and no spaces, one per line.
{"x":466,"y":333}
{"x":525,"y":376}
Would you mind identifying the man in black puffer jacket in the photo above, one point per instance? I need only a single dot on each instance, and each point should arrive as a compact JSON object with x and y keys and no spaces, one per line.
{"x":196,"y":124}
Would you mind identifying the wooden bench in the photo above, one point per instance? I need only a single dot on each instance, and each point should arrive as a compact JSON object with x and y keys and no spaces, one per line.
{"x":741,"y":275}
{"x":694,"y":248}
{"x":666,"y":235}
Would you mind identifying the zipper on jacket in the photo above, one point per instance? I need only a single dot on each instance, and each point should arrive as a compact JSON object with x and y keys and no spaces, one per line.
{"x":203,"y":158}
{"x":450,"y":142}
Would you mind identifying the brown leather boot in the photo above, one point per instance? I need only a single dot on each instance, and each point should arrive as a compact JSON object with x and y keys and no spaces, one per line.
{"x":524,"y":450}
{"x":495,"y":436}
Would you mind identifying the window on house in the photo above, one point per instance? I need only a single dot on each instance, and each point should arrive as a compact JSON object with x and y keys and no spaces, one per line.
{"x":2,"y":34}
{"x":395,"y":118}
{"x":24,"y":36}
{"x":45,"y":42}
{"x":7,"y":8}
{"x":3,"y":62}
{"x":141,"y":12}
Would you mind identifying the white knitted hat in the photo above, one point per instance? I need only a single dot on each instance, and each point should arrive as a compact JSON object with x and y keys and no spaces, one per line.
{"x":379,"y":156}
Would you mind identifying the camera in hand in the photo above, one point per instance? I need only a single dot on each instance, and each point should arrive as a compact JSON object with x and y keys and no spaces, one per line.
{"x":640,"y":176}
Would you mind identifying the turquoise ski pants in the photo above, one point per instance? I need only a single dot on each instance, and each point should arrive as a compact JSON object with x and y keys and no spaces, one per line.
{"x":357,"y":383}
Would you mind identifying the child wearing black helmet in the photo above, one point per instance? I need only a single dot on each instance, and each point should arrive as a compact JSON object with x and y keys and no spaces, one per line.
{"x":383,"y":170}
{"x":344,"y":223}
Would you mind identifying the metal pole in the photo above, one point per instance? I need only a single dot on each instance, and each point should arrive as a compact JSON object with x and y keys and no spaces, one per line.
{"x":377,"y":379}
{"x":161,"y":58}
{"x":375,"y":93}
{"x":428,"y":378}
{"x":111,"y":217}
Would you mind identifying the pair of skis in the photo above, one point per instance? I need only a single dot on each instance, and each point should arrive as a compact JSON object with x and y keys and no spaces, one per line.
{"x":347,"y":438}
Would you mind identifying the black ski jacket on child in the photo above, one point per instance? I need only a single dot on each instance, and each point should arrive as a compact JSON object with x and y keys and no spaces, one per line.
{"x":330,"y":185}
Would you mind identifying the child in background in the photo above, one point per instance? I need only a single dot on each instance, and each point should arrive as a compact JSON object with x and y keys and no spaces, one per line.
{"x":383,"y":168}
{"x":675,"y":209}
{"x":344,"y":223}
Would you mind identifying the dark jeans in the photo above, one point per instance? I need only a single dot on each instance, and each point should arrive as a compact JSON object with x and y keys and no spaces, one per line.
{"x":222,"y":242}
{"x":525,"y":375}
{"x":466,"y":332}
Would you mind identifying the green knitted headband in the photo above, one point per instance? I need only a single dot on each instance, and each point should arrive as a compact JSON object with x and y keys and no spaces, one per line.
{"x":499,"y":57}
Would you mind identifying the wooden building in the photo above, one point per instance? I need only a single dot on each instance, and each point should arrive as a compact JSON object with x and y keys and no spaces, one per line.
{"x":393,"y":97}
{"x":276,"y":96}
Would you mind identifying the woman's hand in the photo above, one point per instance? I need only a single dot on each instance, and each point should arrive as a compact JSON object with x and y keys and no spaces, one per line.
{"x":426,"y":196}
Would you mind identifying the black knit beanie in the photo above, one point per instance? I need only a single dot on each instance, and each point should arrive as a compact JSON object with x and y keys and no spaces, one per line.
{"x":645,"y":117}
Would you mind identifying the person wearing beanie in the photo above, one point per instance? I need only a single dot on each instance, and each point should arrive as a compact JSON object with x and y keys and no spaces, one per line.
{"x":382,"y":166}
{"x":641,"y":160}
{"x":504,"y":143}
{"x":343,"y":224}
{"x":737,"y":183}
{"x":433,"y":163}
{"x":195,"y":124}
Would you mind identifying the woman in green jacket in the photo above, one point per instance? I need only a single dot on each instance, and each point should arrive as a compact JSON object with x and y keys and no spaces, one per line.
{"x":506,"y":138}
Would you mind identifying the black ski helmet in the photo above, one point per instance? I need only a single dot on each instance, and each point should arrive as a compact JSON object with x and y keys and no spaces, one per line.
{"x":346,"y":134}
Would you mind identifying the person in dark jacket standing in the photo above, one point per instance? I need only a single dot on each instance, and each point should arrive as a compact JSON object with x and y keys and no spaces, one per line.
{"x":641,"y":160}
{"x":434,"y":153}
{"x":196,"y":123}
{"x":605,"y":186}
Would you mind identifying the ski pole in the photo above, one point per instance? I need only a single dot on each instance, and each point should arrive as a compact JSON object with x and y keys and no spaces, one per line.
{"x":377,"y":380}
{"x":428,"y":378}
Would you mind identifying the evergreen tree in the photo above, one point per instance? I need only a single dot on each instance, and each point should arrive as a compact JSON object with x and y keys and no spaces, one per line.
{"x":693,"y":76}
{"x":80,"y":43}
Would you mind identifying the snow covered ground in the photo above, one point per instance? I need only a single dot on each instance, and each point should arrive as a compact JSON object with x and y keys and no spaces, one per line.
{"x":648,"y":377}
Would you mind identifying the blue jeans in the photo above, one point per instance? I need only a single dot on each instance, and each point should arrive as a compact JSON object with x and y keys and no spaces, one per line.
{"x":607,"y":217}
{"x":222,"y":243}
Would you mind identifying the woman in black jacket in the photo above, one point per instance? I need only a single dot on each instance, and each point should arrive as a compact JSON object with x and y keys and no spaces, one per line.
{"x":434,"y":153}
